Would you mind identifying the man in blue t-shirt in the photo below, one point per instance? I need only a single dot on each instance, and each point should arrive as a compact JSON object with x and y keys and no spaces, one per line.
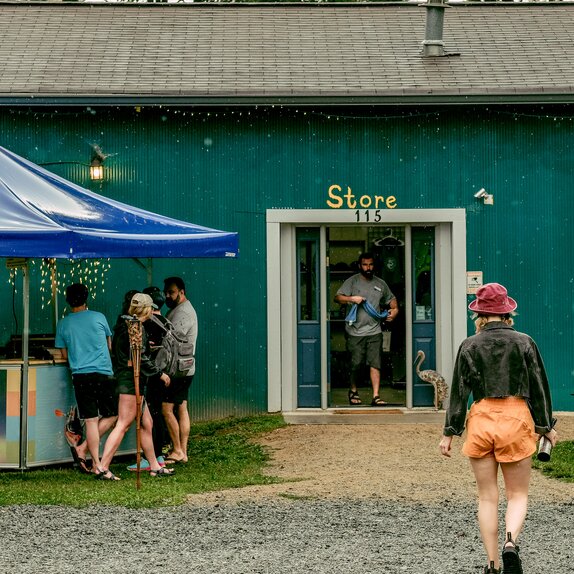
{"x":85,"y":339}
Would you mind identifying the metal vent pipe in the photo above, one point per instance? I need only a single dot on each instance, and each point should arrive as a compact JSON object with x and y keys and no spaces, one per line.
{"x":433,"y":44}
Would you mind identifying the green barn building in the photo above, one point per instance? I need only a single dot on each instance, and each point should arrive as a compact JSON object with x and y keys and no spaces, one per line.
{"x":316,"y":132}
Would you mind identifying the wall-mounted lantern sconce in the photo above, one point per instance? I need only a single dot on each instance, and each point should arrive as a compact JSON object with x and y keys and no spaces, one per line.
{"x":96,"y":168}
{"x":486,"y":197}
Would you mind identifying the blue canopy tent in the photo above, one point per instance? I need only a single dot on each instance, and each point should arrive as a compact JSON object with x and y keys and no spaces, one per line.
{"x":43,"y":215}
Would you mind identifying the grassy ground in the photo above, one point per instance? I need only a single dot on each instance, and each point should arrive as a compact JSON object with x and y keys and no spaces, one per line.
{"x":222,"y":455}
{"x":561,"y":463}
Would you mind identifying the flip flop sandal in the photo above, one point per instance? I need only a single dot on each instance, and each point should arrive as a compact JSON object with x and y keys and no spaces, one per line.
{"x":144,"y":466}
{"x":84,"y":466}
{"x":81,"y":462}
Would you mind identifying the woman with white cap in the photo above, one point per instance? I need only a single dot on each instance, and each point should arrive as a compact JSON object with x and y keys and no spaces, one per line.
{"x":511,"y":408}
{"x":141,"y":306}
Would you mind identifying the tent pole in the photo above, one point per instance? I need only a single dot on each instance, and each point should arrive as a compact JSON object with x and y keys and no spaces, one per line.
{"x":25,"y":371}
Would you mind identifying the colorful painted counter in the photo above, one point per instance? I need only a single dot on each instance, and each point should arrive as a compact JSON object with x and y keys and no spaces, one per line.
{"x":50,"y":391}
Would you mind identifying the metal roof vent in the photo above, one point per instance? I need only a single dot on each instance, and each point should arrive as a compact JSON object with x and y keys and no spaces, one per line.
{"x":433,"y":45}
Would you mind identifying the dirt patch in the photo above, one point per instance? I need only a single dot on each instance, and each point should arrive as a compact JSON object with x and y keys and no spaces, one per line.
{"x":396,"y":462}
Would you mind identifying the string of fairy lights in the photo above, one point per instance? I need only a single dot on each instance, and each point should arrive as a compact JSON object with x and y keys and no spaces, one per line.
{"x":54,"y":275}
{"x":336,"y":113}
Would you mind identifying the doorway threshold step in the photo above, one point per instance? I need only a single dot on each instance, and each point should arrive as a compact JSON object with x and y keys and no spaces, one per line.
{"x":371,"y":411}
{"x":377,"y":416}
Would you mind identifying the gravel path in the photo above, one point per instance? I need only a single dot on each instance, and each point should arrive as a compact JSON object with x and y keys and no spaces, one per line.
{"x":364,"y":506}
{"x":354,"y":537}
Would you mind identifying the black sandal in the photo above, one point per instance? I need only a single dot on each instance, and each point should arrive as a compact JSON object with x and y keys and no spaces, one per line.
{"x":161,"y":472}
{"x":510,"y":557}
{"x":354,"y":398}
{"x":106,"y":475}
{"x":377,"y":402}
{"x":491,"y":569}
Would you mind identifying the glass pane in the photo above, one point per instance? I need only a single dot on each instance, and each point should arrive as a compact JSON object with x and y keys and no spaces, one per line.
{"x":423,"y":248}
{"x":308,"y":281}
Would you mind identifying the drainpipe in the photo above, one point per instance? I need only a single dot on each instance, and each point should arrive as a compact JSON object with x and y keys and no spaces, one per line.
{"x":433,"y":45}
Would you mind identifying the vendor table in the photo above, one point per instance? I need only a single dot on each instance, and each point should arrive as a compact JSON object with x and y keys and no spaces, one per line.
{"x":50,"y":391}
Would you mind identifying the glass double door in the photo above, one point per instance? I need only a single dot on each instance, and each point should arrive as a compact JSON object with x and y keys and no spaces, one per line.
{"x":404,"y":259}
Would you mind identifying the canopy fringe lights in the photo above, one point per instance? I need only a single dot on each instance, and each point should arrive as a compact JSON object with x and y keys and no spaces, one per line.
{"x":56,"y":276}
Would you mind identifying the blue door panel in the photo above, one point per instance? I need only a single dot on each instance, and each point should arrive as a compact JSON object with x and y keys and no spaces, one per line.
{"x":424,"y":327}
{"x":308,"y":319}
{"x":309,"y":367}
{"x":423,"y":393}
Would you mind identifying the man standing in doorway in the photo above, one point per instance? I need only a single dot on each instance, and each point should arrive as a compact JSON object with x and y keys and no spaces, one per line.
{"x":364,"y":335}
{"x":184,"y":319}
{"x":85,"y":339}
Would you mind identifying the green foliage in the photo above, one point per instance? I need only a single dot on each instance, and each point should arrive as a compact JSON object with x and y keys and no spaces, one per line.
{"x":222,"y":455}
{"x":561,"y":463}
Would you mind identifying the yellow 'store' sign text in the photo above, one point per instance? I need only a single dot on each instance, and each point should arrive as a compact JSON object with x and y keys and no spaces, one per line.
{"x":338,"y":199}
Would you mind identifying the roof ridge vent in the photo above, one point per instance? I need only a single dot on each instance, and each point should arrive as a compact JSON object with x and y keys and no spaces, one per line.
{"x":433,"y":44}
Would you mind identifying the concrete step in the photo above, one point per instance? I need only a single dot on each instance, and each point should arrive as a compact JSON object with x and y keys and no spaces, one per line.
{"x":364,"y":416}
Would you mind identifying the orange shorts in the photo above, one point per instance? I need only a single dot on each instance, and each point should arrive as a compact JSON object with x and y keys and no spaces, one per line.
{"x":502,"y":428}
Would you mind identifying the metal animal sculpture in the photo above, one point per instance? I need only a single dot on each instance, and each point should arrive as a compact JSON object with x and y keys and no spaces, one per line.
{"x":434,"y":378}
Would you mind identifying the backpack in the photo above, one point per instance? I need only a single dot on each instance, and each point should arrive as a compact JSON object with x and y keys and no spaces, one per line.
{"x":175,"y":355}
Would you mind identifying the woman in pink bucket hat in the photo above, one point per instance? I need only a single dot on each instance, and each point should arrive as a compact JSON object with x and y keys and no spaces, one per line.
{"x":492,"y":299}
{"x":512,"y":407}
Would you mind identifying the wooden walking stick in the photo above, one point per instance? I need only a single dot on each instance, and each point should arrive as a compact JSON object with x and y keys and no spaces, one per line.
{"x":136,"y":344}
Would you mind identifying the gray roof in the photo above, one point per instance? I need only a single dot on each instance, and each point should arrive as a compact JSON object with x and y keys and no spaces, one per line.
{"x":238,"y":53}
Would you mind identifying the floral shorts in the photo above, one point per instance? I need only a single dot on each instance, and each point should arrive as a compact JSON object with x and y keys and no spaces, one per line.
{"x":502,"y":428}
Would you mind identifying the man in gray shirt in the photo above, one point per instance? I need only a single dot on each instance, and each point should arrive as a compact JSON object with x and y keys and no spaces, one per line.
{"x":364,"y":335}
{"x":174,"y":407}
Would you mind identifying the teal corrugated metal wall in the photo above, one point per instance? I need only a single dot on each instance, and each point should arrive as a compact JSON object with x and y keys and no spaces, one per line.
{"x":224,"y":168}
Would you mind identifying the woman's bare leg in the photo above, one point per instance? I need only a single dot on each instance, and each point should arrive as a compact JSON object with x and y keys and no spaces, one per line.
{"x":516,"y":481}
{"x":147,"y":439}
{"x":486,"y":474}
{"x":126,"y":416}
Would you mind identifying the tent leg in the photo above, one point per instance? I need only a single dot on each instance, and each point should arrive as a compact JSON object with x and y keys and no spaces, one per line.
{"x":25,"y":365}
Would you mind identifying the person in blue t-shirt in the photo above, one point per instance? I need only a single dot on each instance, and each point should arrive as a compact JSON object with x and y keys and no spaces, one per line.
{"x":85,"y":339}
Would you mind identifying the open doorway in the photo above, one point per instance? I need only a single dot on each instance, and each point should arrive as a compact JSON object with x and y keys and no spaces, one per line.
{"x":344,"y":245}
{"x":309,"y":252}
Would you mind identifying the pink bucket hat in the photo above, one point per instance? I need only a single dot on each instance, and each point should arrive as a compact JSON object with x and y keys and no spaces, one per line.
{"x":492,"y":299}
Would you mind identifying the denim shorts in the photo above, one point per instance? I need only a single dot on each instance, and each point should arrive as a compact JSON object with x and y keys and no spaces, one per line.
{"x":500,"y":427}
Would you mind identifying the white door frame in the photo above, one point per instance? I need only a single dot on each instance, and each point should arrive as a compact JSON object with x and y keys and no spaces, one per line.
{"x":450,"y":241}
